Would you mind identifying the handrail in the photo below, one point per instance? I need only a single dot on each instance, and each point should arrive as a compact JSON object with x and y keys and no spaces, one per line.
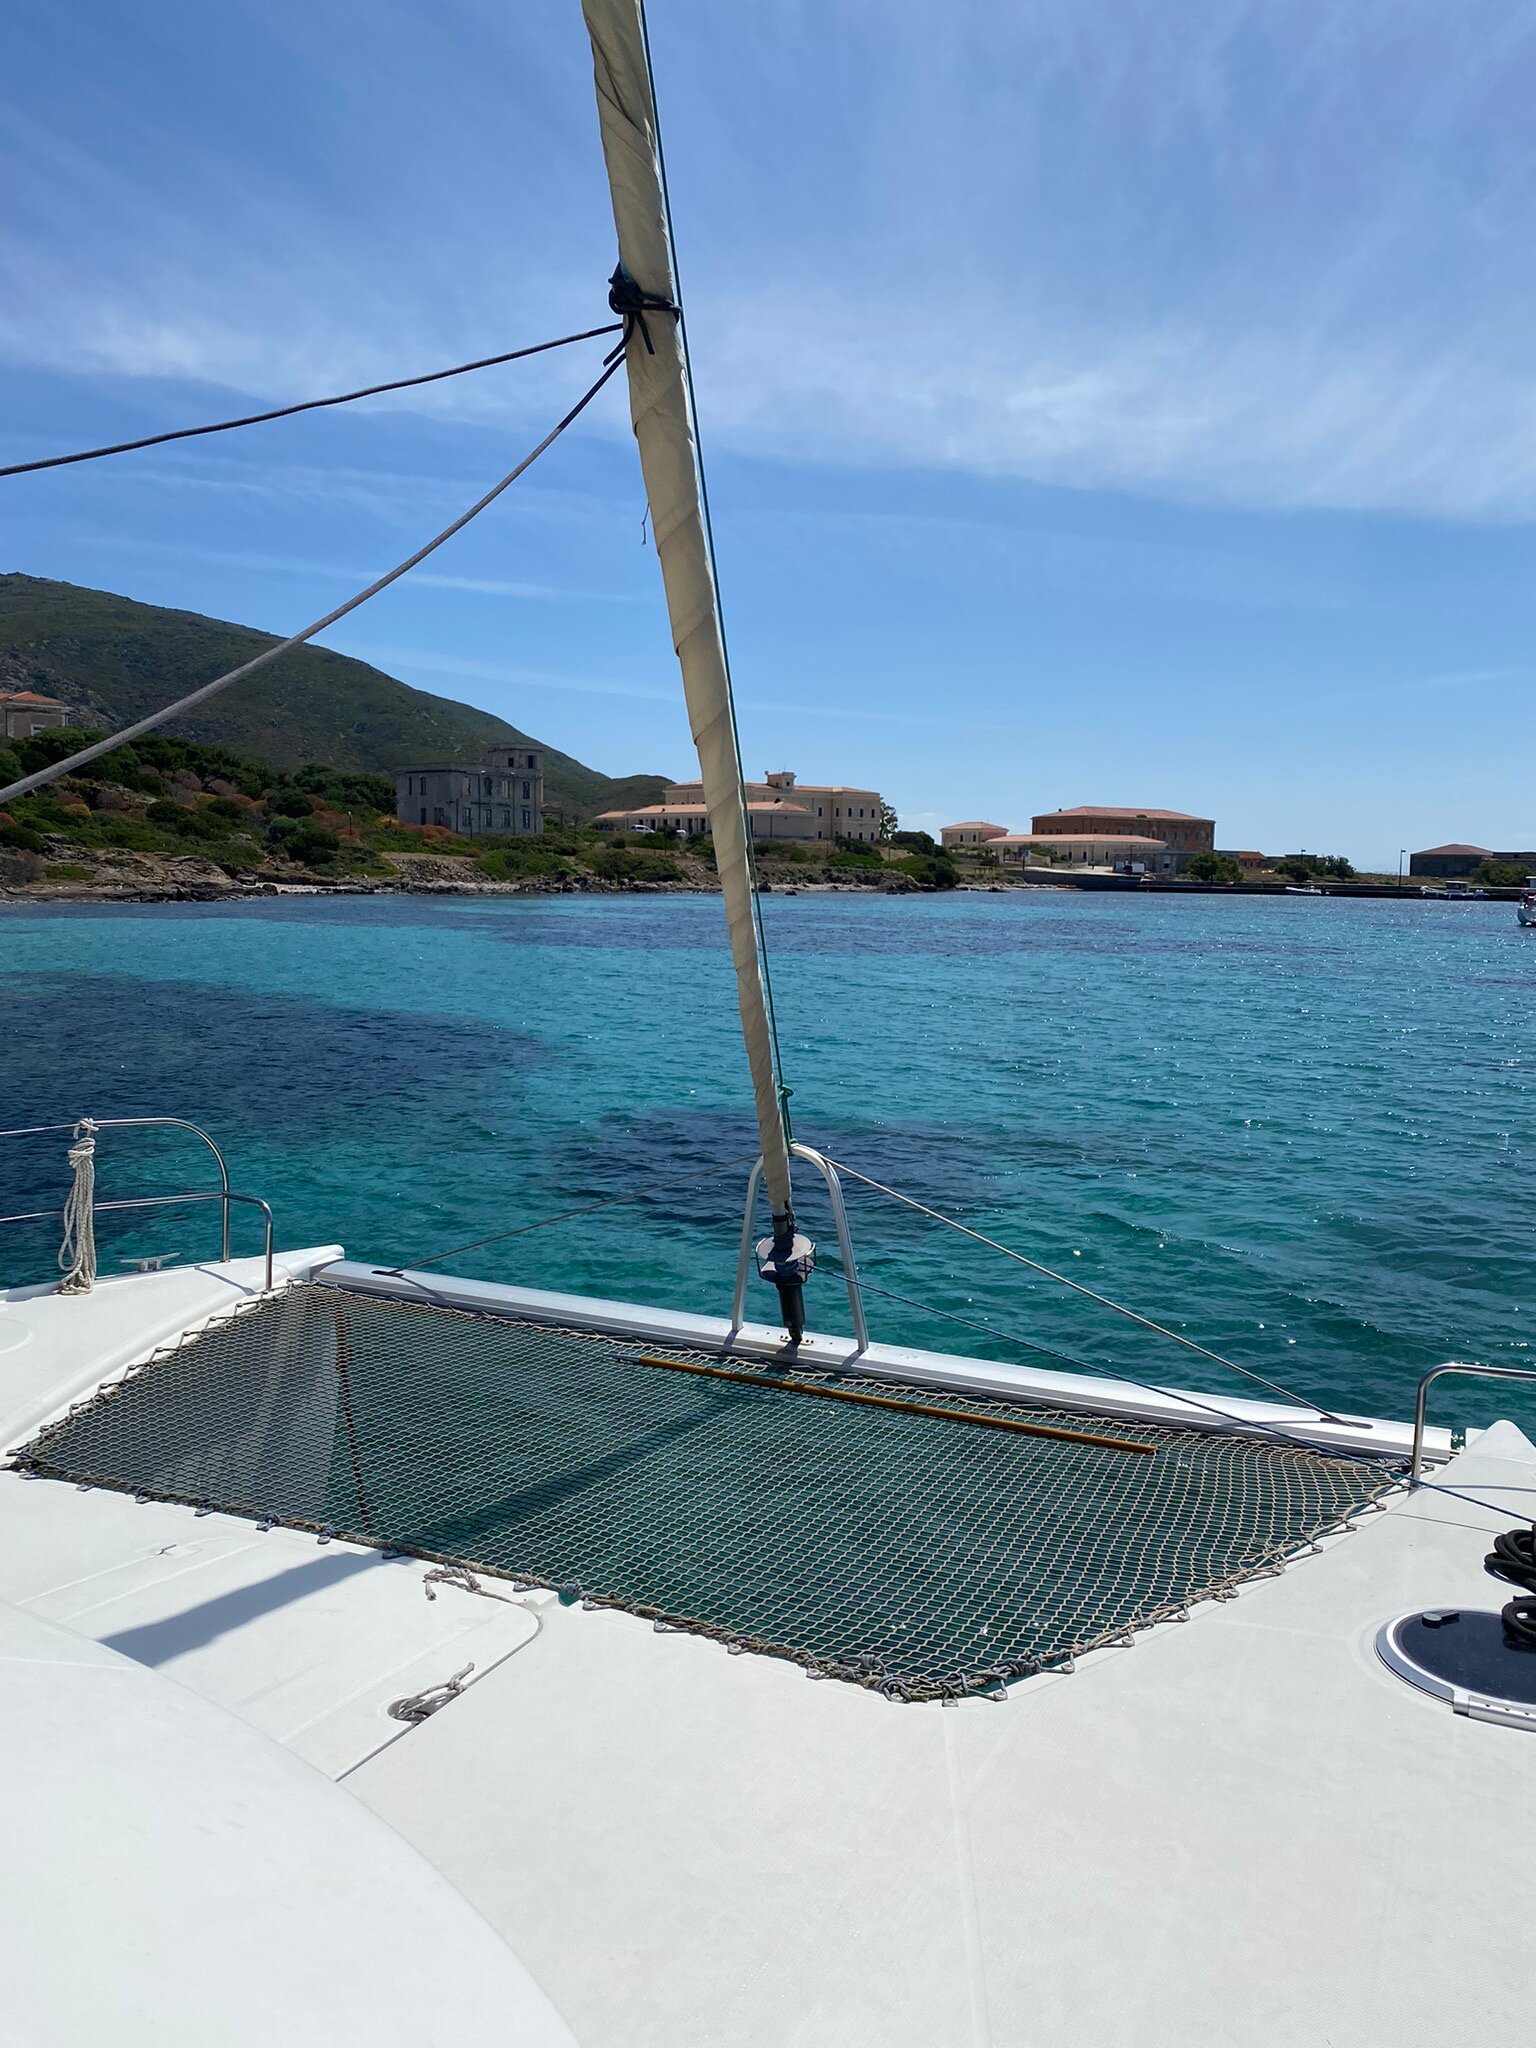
{"x":1465,"y":1370}
{"x":224,"y":1195}
{"x":844,"y":1242}
{"x":123,"y":1123}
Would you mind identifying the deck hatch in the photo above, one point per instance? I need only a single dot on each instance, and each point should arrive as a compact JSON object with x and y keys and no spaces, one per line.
{"x":866,"y":1542}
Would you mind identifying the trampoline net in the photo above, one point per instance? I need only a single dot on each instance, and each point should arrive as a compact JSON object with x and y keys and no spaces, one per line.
{"x":918,"y":1554}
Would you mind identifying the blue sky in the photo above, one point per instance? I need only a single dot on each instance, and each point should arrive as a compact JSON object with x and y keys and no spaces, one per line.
{"x":1103,"y":402}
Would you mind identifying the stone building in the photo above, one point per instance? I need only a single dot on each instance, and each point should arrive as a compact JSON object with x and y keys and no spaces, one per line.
{"x":777,"y":807}
{"x":501,"y":799}
{"x":1084,"y":850}
{"x":1182,"y":835}
{"x":24,"y":712}
{"x":974,"y":832}
{"x":1456,"y":861}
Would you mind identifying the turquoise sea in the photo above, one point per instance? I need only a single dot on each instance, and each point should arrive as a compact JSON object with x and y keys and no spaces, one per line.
{"x":1298,"y":1130}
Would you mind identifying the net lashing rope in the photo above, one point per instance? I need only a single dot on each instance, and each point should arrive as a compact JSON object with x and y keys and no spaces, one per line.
{"x":77,"y":1253}
{"x":873,"y":1543}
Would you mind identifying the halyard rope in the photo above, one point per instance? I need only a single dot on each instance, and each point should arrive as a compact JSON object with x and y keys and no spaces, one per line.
{"x":281,"y":647}
{"x":283,"y":412}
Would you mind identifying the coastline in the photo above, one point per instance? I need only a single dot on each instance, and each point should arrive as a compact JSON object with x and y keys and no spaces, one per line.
{"x":122,"y":877}
{"x":204,"y":889}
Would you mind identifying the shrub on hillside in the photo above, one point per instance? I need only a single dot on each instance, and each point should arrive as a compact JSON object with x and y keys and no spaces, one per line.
{"x":315,"y":845}
{"x":623,"y":864}
{"x":21,"y":837}
{"x":522,"y":863}
{"x":928,"y":870}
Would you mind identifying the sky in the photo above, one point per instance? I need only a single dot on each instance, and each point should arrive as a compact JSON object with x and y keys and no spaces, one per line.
{"x":1102,"y":402}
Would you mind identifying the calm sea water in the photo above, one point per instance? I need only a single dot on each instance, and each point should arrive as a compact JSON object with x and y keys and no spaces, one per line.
{"x":1299,"y":1131}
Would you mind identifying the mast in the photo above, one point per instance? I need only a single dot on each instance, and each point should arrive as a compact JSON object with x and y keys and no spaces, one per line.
{"x":645,"y":291}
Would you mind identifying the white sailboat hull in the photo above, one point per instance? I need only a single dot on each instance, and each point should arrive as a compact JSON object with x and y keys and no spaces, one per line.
{"x":1193,"y":1840}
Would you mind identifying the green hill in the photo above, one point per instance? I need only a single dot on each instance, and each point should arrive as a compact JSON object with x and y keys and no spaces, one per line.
{"x":113,"y":659}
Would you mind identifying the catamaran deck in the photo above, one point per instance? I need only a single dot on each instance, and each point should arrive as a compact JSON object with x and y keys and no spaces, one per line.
{"x":926,"y":1548}
{"x":1242,"y":1827}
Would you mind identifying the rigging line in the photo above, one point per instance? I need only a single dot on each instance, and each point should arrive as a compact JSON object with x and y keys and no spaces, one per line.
{"x":1109,"y":1372}
{"x":714,"y":577}
{"x":156,"y":718}
{"x":1504,"y":1509}
{"x":566,"y":1215}
{"x":283,"y":412}
{"x":1077,"y":1287}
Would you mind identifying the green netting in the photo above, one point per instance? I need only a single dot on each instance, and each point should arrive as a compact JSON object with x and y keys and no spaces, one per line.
{"x":915,"y":1554}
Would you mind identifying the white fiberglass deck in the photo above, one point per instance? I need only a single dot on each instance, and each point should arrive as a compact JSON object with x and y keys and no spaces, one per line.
{"x":1242,"y":1828}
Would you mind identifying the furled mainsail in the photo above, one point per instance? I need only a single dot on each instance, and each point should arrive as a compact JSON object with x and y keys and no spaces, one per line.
{"x":663,"y":421}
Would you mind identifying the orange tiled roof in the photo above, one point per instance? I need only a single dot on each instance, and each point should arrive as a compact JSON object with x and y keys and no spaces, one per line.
{"x":1126,"y":811}
{"x":1096,"y":838}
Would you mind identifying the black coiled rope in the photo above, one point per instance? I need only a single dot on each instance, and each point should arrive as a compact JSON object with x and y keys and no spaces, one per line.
{"x":1513,"y":1559}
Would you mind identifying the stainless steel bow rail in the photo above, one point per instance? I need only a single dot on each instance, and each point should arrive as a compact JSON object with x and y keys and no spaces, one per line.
{"x":223,"y":1194}
{"x":1462,"y":1369}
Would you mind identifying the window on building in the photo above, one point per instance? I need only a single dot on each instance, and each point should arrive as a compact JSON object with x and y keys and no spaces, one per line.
{"x":527,"y":821}
{"x":437,"y":814}
{"x":423,"y":814}
{"x":408,"y":788}
{"x":506,"y":818}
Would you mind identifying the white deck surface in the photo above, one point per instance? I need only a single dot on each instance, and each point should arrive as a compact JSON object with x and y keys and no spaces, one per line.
{"x":309,"y":1642}
{"x":1243,"y":1829}
{"x":172,"y":1880}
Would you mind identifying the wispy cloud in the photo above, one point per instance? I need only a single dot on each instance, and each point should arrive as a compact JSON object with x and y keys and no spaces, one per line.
{"x":358,"y":573}
{"x":420,"y":661}
{"x":1232,"y":254}
{"x":1420,"y":686}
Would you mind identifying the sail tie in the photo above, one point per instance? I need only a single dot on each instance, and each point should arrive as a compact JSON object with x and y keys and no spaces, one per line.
{"x":631,"y":301}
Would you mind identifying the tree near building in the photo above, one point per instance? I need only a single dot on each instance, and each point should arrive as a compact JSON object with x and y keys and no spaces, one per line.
{"x":888,"y":821}
{"x":1309,"y":867}
{"x":1214,"y":867}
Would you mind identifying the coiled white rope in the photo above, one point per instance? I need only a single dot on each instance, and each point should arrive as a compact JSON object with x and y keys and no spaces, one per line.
{"x":77,"y":1254}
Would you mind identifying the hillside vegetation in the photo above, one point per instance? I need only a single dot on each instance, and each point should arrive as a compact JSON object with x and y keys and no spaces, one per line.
{"x":113,"y":659}
{"x":171,"y":816}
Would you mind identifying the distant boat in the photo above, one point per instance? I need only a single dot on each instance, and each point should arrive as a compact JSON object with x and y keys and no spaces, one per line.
{"x":1302,"y":889}
{"x":1525,"y":909}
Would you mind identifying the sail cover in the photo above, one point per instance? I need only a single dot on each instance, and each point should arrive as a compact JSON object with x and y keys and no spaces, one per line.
{"x":663,"y":422}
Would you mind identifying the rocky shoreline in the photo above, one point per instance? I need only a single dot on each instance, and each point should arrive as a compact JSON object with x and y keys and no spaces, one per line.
{"x":114,"y":876}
